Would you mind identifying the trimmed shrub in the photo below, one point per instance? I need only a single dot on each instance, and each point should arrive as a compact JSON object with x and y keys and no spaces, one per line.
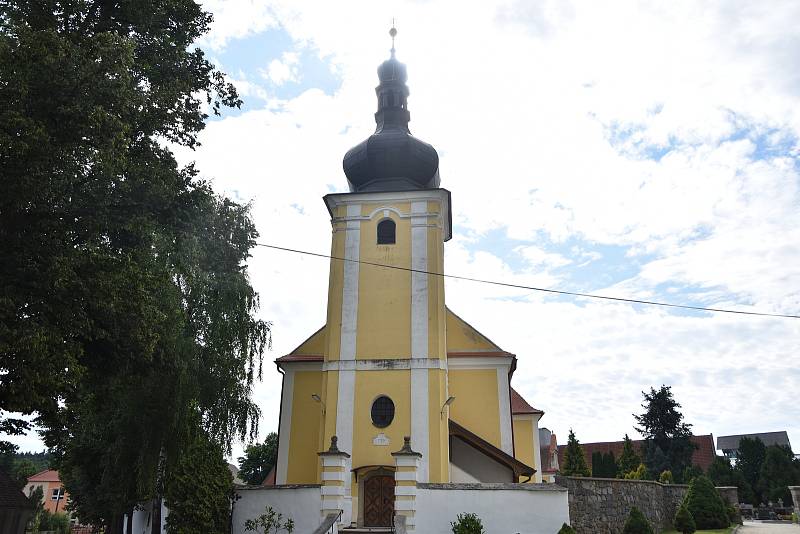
{"x":666,"y":477}
{"x":706,"y":505}
{"x":637,"y":523}
{"x":684,"y":522}
{"x":467,"y":524}
{"x":566,"y":529}
{"x":640,"y":473}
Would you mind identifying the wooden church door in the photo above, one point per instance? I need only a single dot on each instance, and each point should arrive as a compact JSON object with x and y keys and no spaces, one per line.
{"x":378,"y":501}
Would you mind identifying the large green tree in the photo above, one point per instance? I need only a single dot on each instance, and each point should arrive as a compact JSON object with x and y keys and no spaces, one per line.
{"x":629,"y":460}
{"x":667,"y":443}
{"x":722,"y":473}
{"x":258,"y":460}
{"x":778,"y":472}
{"x":574,"y":458}
{"x":126,"y":310}
{"x":749,"y":460}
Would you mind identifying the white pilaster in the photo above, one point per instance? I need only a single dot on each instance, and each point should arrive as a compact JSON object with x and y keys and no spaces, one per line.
{"x":506,"y":439}
{"x":419,"y":332}
{"x":352,"y":244}
{"x":285,"y":427}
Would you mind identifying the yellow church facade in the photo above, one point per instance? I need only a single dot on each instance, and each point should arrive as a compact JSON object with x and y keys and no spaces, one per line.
{"x":393,"y":361}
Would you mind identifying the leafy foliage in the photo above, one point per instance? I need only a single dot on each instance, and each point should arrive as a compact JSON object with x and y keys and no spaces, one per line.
{"x":258,"y":460}
{"x":667,"y":437}
{"x":127,"y":308}
{"x":722,"y":473}
{"x":54,"y":522}
{"x":467,"y":524}
{"x":637,"y":523}
{"x":750,"y":458}
{"x":604,"y":465}
{"x":566,"y":529}
{"x":666,"y":477}
{"x":629,"y":460}
{"x":684,"y":522}
{"x":574,"y":458}
{"x":269,"y":521}
{"x":199,"y":490}
{"x":640,"y":473}
{"x":705,"y":504}
{"x":777,"y":473}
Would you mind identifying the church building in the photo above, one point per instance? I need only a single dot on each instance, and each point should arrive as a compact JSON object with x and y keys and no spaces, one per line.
{"x":393,"y":361}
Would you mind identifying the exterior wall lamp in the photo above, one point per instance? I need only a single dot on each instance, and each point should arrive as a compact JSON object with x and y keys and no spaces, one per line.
{"x":447,"y":403}
{"x":317,"y":398}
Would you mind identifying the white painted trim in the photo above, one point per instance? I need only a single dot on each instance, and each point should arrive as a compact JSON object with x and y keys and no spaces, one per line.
{"x":285,"y":427}
{"x":504,"y":404}
{"x":332,"y":491}
{"x":406,"y":505}
{"x":407,"y":461}
{"x":405,"y":490}
{"x":436,"y":195}
{"x":344,"y":416}
{"x":301,"y":366}
{"x":420,"y":438}
{"x":478,"y":362}
{"x":384,"y":364}
{"x":419,"y":284}
{"x":352,"y":244}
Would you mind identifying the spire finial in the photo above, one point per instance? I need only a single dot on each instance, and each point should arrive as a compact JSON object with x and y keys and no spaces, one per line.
{"x":393,"y":33}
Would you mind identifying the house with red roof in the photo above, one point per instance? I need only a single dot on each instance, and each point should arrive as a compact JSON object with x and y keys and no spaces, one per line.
{"x":53,"y":494}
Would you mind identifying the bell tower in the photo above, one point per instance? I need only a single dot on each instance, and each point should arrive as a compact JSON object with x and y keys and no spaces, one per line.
{"x":385,"y":358}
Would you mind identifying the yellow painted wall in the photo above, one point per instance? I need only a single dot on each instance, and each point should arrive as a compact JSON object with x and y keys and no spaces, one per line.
{"x":303,"y":466}
{"x":463,"y":337}
{"x":477,"y":406}
{"x":384,"y":295}
{"x":438,"y":433}
{"x":370,"y":385}
{"x":314,"y":345}
{"x":523,"y":440}
{"x":333,"y":334}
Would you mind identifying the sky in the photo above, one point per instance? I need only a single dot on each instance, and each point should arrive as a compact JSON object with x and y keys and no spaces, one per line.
{"x":634,"y":149}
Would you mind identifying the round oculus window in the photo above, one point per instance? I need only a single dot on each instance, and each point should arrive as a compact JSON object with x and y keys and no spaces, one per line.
{"x":382,"y":411}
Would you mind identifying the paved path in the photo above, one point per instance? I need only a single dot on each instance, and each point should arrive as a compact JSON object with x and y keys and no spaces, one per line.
{"x":758,"y":527}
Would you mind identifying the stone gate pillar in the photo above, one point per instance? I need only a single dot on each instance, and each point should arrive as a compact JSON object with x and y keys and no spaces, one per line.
{"x":405,"y":487}
{"x":795,"y":491}
{"x":334,"y":479}
{"x":729,"y":494}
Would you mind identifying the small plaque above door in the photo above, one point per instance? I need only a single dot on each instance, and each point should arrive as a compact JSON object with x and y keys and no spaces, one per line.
{"x":380,"y":440}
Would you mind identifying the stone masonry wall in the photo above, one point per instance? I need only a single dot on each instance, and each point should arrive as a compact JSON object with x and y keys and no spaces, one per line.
{"x":601,"y":505}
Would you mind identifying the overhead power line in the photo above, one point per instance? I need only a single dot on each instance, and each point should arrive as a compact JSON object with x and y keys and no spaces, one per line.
{"x":531,"y":288}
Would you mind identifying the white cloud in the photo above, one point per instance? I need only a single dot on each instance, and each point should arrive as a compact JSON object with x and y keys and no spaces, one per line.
{"x":548,"y":118}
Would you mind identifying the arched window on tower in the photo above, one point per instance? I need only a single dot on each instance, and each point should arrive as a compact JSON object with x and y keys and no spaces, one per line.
{"x":386,"y":232}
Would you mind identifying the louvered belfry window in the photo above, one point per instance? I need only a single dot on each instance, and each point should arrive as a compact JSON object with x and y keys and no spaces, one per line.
{"x":386,"y":232}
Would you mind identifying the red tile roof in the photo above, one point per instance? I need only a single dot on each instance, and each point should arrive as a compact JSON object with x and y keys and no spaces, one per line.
{"x":11,"y":496}
{"x":48,"y":475}
{"x":520,"y":406}
{"x":702,"y":457}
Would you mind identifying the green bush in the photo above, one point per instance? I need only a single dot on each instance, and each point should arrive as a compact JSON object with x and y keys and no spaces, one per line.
{"x":734,"y":515}
{"x":566,"y":529}
{"x":467,"y":524}
{"x":640,"y":473}
{"x":666,"y":477}
{"x":684,"y":522}
{"x":56,"y":522}
{"x":637,"y":523}
{"x":706,"y":505}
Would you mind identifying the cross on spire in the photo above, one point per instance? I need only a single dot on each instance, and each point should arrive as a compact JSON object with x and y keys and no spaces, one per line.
{"x":393,"y":33}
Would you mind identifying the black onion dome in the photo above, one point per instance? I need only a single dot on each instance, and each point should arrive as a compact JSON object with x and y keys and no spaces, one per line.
{"x":392,"y":159}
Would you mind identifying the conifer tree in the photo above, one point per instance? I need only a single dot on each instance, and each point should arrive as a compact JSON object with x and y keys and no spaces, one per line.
{"x":684,"y":522}
{"x":575,"y":458}
{"x":637,"y":523}
{"x":706,"y":505}
{"x":629,"y":460}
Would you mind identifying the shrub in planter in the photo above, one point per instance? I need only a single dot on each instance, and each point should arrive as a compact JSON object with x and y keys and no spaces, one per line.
{"x":637,"y":523}
{"x":684,"y":522}
{"x":566,"y":529}
{"x":706,"y":505}
{"x":467,"y":524}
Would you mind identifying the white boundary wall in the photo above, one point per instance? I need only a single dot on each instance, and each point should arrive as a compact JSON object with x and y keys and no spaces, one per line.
{"x":301,"y":503}
{"x":503,"y":508}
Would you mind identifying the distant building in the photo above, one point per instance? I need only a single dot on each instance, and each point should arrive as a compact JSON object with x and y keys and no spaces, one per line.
{"x":702,"y":457}
{"x":729,"y":445}
{"x":15,"y":509}
{"x":53,"y":494}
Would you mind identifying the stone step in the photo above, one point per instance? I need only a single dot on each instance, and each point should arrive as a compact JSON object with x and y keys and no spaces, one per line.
{"x":366,"y":530}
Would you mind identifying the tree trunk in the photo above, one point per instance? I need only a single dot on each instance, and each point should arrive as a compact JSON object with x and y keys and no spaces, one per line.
{"x":129,"y":522}
{"x":156,"y":523}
